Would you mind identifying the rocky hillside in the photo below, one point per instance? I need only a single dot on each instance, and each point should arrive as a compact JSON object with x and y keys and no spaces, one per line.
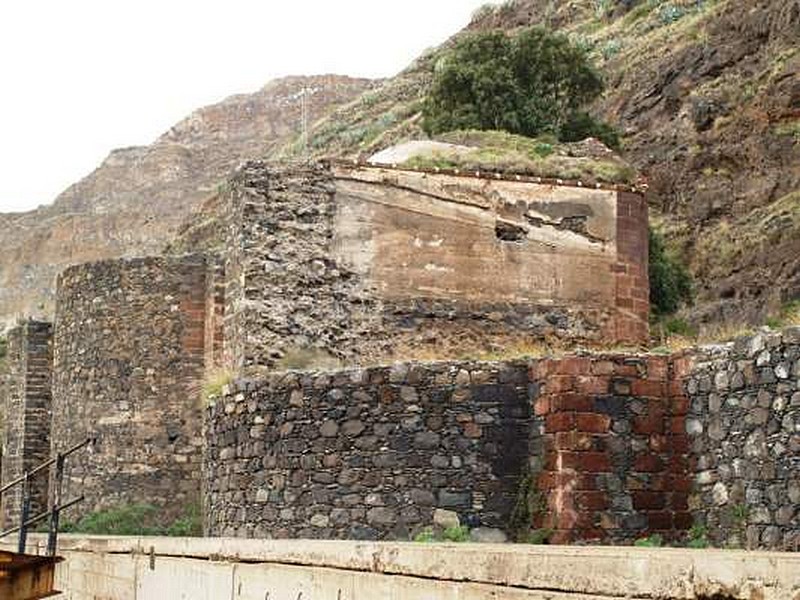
{"x":705,"y":92}
{"x":707,"y":96}
{"x":135,"y":200}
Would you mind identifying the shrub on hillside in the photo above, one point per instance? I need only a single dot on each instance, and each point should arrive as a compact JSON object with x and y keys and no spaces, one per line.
{"x":534,"y":83}
{"x":670,"y":282}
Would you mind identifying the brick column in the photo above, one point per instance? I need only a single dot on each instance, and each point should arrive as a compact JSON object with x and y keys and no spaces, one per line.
{"x":631,"y":270}
{"x":27,"y":409}
{"x":615,"y":463}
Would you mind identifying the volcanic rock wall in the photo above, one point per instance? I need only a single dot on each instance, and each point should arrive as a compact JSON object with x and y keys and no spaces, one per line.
{"x":744,"y":423}
{"x":618,"y":447}
{"x":370,"y":453}
{"x":366,"y":265}
{"x":26,"y":410}
{"x":586,"y":448}
{"x":128,"y":369}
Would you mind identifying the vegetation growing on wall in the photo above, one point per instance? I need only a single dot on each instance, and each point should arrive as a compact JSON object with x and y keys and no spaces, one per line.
{"x":536,"y":82}
{"x":543,"y":156}
{"x":529,"y":509}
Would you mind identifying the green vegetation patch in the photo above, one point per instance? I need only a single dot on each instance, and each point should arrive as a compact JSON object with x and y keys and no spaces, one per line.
{"x":542,"y":157}
{"x":652,"y":541}
{"x":790,"y":128}
{"x":136,"y":519}
{"x":788,"y":315}
{"x":529,"y":83}
{"x":670,"y":281}
{"x":456,"y":533}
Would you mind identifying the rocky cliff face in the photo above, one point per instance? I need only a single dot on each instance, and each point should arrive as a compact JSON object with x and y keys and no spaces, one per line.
{"x":136,"y":199}
{"x":706,"y":93}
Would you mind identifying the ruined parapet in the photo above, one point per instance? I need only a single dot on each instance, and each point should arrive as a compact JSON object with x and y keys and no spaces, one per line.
{"x":26,"y":408}
{"x":130,"y":351}
{"x":361,"y":264}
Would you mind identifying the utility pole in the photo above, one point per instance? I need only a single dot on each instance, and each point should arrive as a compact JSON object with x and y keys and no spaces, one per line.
{"x":304,"y":117}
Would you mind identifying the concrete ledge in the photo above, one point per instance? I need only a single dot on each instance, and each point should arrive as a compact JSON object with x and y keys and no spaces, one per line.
{"x":561,"y":571}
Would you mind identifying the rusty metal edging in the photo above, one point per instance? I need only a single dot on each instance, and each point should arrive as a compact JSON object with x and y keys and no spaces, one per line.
{"x":489,"y":174}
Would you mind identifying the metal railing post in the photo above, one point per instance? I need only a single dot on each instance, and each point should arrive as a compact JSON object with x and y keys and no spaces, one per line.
{"x":55,"y":507}
{"x":25,"y":513}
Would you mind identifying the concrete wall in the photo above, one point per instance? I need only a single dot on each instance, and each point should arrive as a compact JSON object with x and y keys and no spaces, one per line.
{"x":26,"y":410}
{"x":365,"y":265}
{"x":218,"y":569}
{"x":128,"y":370}
{"x":744,"y":427}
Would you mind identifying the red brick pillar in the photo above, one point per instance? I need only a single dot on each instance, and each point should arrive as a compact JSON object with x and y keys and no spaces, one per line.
{"x":631,"y":270}
{"x":615,"y":451}
{"x":574,"y":448}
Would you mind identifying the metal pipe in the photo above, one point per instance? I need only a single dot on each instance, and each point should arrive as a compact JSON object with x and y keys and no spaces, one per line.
{"x":52,"y":532}
{"x":26,"y":509}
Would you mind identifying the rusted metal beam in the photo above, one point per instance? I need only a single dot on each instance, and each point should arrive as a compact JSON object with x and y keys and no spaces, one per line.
{"x":26,"y":577}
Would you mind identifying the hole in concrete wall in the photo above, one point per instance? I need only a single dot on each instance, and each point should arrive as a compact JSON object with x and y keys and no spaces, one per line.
{"x":509,"y":232}
{"x":577,"y":223}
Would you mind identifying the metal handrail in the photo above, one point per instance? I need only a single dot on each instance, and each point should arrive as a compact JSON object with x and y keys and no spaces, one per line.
{"x":41,"y":516}
{"x":44,"y":465}
{"x":55,"y":504}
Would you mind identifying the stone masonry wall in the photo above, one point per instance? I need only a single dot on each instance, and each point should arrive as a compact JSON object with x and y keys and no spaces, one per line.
{"x":598,"y":442}
{"x":26,"y":435}
{"x":744,"y":426}
{"x":328,"y":266}
{"x":370,"y":453}
{"x":286,"y":297}
{"x":128,"y":371}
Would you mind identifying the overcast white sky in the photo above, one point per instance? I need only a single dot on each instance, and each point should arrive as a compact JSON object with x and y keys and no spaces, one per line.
{"x":81,"y":77}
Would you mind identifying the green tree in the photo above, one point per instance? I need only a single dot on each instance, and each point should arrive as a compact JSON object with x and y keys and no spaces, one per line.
{"x":533,"y":83}
{"x":670,"y":282}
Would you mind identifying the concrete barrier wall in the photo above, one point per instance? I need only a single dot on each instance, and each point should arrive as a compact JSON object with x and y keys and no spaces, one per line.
{"x":223,"y":568}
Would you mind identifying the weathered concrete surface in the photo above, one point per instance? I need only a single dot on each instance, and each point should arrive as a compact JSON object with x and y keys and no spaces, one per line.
{"x":439,"y":235}
{"x":198,"y":568}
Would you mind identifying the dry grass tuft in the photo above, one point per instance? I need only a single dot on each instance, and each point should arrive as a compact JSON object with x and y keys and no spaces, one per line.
{"x":215,"y":382}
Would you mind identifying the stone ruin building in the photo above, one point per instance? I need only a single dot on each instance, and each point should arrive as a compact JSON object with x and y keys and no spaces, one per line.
{"x":327,"y":272}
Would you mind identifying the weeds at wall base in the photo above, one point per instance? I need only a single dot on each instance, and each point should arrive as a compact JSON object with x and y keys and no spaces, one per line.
{"x":136,"y":519}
